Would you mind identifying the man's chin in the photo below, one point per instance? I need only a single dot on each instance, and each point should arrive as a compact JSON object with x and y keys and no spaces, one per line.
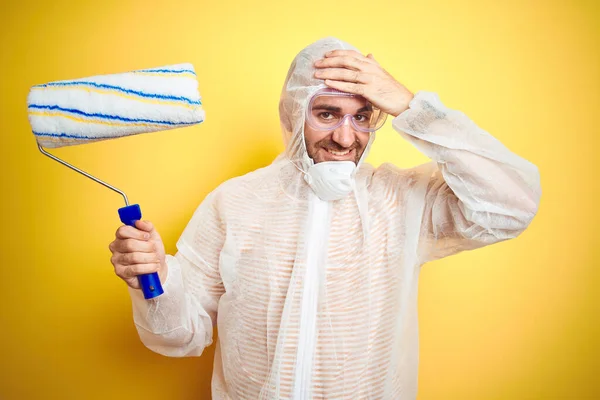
{"x":320,"y":161}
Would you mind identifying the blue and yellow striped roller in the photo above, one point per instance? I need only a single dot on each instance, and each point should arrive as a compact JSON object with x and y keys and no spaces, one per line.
{"x":78,"y":111}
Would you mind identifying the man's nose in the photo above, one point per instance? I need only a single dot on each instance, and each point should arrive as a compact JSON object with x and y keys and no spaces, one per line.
{"x":345,"y":135}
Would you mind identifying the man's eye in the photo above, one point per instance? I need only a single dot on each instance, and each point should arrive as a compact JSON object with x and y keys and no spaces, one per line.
{"x":361,"y":118}
{"x":325,"y":115}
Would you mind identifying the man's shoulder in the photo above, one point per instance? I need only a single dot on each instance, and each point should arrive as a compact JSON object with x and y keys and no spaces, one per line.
{"x":245,"y":181}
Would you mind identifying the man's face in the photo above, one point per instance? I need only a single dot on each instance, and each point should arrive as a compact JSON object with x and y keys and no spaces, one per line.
{"x":345,"y":143}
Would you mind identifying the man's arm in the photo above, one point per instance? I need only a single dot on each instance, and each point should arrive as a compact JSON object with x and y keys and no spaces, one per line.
{"x":180,"y":322}
{"x":478,"y":191}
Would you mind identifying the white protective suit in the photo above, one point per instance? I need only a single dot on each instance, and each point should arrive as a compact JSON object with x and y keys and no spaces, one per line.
{"x":318,"y":299}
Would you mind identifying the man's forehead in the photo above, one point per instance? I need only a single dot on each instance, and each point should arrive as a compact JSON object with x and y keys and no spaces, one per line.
{"x":341,"y":101}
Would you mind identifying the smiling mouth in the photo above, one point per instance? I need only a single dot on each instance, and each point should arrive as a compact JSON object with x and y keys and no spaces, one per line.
{"x":339,"y":153}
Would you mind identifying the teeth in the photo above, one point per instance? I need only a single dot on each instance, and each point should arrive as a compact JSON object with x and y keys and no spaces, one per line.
{"x":339,"y":153}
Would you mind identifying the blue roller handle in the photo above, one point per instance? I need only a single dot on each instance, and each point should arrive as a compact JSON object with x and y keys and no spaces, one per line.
{"x":150,"y":283}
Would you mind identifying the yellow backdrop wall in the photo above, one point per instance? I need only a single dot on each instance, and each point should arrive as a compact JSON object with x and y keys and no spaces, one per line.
{"x":518,"y":320}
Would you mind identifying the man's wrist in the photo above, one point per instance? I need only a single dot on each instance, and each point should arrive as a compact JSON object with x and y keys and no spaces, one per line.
{"x":404,"y":104}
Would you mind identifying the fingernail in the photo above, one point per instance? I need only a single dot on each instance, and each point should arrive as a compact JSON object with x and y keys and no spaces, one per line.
{"x":328,"y":53}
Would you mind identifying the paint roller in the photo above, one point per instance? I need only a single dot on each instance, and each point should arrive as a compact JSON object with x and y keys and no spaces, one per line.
{"x":72,"y":112}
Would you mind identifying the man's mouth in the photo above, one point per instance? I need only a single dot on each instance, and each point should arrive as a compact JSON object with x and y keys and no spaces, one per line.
{"x":339,"y":153}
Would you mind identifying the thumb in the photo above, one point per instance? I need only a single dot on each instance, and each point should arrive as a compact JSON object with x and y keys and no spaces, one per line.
{"x":145,"y":226}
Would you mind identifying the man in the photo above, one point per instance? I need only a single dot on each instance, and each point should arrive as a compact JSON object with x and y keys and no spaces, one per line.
{"x":309,"y":267}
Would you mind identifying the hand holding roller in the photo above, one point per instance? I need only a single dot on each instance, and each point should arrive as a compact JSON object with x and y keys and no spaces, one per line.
{"x":79,"y":111}
{"x":149,"y":283}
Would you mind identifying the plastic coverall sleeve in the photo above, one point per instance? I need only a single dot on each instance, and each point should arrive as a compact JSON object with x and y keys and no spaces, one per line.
{"x":478,"y":193}
{"x":180,"y":322}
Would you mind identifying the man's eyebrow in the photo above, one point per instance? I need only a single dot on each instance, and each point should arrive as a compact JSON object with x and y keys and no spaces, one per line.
{"x":327,"y":107}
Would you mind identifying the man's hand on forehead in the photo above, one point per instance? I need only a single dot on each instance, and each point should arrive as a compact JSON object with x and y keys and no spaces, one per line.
{"x":352,"y":72}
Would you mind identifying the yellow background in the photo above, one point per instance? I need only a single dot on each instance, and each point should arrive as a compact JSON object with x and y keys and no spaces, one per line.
{"x":518,"y":320}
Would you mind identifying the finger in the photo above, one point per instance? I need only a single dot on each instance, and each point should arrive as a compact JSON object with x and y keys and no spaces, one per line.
{"x":131,"y":271}
{"x":351,"y":53}
{"x":136,"y":258}
{"x":129,"y":232}
{"x":114,"y":259}
{"x":350,"y":62}
{"x":133,"y":283}
{"x":343,"y":74}
{"x":132,"y":245}
{"x":347,"y":87}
